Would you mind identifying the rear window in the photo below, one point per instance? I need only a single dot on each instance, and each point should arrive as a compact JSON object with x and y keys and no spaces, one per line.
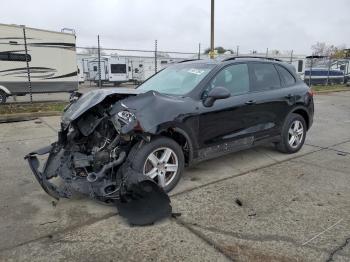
{"x":118,"y":68}
{"x":287,"y":77}
{"x":264,"y":77}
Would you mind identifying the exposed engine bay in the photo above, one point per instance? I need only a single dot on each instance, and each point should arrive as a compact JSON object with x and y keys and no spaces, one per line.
{"x":92,"y":156}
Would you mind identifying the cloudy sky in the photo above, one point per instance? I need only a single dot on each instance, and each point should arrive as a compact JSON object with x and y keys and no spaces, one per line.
{"x":180,"y":25}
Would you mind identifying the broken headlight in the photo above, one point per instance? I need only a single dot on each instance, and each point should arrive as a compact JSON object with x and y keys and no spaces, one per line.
{"x":124,"y":121}
{"x":126,"y":116}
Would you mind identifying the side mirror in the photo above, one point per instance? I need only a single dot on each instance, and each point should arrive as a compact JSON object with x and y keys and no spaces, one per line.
{"x":215,"y":94}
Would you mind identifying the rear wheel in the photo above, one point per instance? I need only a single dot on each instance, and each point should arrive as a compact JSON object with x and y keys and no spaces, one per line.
{"x":293,"y":134}
{"x":161,"y":159}
{"x":3,"y":97}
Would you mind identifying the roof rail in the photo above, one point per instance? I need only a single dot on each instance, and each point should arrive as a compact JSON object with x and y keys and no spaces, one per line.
{"x":261,"y":57}
{"x":188,"y":60}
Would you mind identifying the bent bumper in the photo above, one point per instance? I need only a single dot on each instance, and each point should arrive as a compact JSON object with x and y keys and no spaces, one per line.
{"x":42,"y":177}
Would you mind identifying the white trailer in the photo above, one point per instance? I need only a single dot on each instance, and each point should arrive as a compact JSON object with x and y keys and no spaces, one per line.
{"x":81,"y":75}
{"x":51,"y":56}
{"x":143,"y":68}
{"x":114,"y":70}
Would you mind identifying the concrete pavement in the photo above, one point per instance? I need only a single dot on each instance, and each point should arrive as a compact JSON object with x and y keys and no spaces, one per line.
{"x":294,"y":207}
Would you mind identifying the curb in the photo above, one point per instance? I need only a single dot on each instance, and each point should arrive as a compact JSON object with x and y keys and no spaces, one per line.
{"x":6,"y":118}
{"x":331,"y":91}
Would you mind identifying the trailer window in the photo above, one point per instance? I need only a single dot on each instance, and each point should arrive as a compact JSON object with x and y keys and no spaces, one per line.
{"x":10,"y":56}
{"x":300,"y":66}
{"x":118,"y":68}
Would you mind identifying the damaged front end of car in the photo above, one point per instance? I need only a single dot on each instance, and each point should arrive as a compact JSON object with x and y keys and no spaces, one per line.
{"x":92,"y":157}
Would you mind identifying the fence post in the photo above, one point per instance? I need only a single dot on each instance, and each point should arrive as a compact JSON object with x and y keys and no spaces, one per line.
{"x":329,"y":68}
{"x":310,"y":71}
{"x":27,"y":62}
{"x":199,"y":51}
{"x":99,"y":61}
{"x":155,"y":56}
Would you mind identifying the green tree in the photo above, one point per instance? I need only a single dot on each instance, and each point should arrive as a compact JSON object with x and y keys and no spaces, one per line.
{"x":219,"y":50}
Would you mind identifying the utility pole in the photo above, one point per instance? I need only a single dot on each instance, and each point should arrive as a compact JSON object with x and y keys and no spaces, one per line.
{"x":199,"y":51}
{"x":99,"y":61}
{"x":211,"y":54}
{"x":155,"y":56}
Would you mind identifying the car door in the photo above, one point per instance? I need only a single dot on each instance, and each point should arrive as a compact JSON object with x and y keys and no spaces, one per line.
{"x":269,"y":101}
{"x":225,"y":125}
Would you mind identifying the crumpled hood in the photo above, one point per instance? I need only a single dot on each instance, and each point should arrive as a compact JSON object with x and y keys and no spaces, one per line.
{"x":152,"y":108}
{"x":92,"y":98}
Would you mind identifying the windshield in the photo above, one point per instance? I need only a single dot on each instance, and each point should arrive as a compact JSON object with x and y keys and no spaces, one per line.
{"x":177,"y":79}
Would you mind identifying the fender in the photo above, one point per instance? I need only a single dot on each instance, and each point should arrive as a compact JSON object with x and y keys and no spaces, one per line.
{"x":5,"y":90}
{"x":305,"y":110}
{"x":179,"y":128}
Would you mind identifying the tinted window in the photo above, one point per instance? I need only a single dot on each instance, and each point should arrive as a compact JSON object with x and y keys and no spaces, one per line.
{"x":235,"y":78}
{"x":300,"y":66}
{"x":287,"y":78}
{"x":10,"y":56}
{"x":118,"y":68}
{"x":264,"y":77}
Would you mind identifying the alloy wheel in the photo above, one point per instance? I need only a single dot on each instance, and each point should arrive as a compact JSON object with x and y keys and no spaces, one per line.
{"x":295,"y":134}
{"x":161,"y":165}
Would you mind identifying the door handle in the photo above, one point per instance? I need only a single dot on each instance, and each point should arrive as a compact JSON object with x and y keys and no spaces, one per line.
{"x":289,"y":96}
{"x":250,"y":102}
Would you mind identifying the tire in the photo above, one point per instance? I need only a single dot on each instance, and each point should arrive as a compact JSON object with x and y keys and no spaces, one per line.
{"x":289,"y":129}
{"x":3,"y":97}
{"x":140,"y":156}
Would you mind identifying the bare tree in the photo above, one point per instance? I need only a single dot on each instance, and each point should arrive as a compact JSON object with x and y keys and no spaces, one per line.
{"x":322,"y":49}
{"x":93,"y":50}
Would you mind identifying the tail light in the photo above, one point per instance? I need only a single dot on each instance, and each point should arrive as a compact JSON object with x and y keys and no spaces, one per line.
{"x":311,"y":92}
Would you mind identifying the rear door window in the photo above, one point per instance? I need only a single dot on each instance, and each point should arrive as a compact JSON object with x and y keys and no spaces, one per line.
{"x":264,"y":77}
{"x":287,"y":77}
{"x":234,"y":78}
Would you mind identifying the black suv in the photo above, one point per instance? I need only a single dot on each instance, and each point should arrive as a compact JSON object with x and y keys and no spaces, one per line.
{"x":186,"y":113}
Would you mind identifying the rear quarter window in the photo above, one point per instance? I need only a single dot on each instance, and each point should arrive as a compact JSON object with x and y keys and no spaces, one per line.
{"x":286,"y":76}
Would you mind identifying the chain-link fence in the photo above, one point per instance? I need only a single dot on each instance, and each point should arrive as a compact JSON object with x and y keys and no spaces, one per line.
{"x":34,"y":62}
{"x":101,"y":66}
{"x":325,"y":70}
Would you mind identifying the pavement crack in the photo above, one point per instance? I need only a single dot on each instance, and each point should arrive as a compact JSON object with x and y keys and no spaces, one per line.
{"x":263,"y":238}
{"x":202,"y":236}
{"x":65,"y":230}
{"x":48,"y":222}
{"x":251,"y":237}
{"x":344,"y":244}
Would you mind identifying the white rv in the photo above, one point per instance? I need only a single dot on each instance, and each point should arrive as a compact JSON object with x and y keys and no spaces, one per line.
{"x":114,"y":70}
{"x":142,"y":68}
{"x":51,"y":56}
{"x":81,"y":75}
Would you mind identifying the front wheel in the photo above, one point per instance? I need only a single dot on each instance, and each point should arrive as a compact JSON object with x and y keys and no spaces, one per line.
{"x":161,"y":159}
{"x":293,"y":134}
